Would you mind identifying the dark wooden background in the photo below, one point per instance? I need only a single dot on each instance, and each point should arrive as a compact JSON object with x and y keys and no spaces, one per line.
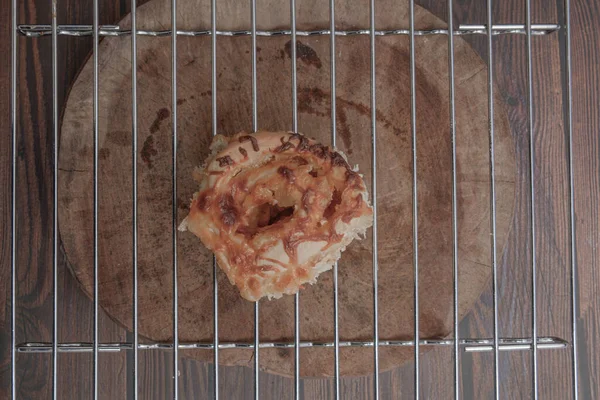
{"x":34,"y":221}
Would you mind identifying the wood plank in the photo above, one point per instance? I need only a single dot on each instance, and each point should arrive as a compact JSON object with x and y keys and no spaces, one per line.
{"x":586,"y":89}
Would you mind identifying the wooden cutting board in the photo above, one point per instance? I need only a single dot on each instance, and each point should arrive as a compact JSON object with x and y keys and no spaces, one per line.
{"x":394,"y":177}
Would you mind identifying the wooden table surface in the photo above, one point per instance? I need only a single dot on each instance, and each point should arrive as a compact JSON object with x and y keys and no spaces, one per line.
{"x":34,"y":232}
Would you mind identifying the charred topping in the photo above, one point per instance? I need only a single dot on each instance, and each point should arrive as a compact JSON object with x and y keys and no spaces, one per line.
{"x":225,"y":161}
{"x":300,"y":160}
{"x":289,"y":246}
{"x":336,"y":199}
{"x":277,"y":213}
{"x":284,"y":147}
{"x":352,"y":177}
{"x":302,"y":141}
{"x":270,"y":214}
{"x":244,"y":230}
{"x":245,"y":138}
{"x":314,"y":174}
{"x":243,"y":151}
{"x":202,"y":202}
{"x":319,"y":150}
{"x":358,"y":200}
{"x":337,"y":160}
{"x":286,"y":173}
{"x":229,"y":213}
{"x":303,"y":145}
{"x":239,"y":186}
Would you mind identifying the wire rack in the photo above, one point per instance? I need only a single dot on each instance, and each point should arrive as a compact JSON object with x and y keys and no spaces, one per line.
{"x":457,"y":343}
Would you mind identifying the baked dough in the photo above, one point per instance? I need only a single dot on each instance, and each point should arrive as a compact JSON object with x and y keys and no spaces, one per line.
{"x":277,"y":209}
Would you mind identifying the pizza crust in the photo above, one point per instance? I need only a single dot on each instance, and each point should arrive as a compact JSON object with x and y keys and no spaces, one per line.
{"x":277,"y":209}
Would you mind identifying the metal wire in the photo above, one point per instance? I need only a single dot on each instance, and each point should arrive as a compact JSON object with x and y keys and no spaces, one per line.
{"x":54,"y":200}
{"x":114,"y":30}
{"x":95,"y":223}
{"x":452,"y":112}
{"x":134,"y":152}
{"x":493,"y":196}
{"x":13,"y":206}
{"x":468,"y":345}
{"x":255,"y":129}
{"x":374,"y":194}
{"x":336,"y":331}
{"x":295,"y":129}
{"x":568,"y":104}
{"x":415,"y":205}
{"x":174,"y":202}
{"x":213,"y":81}
{"x":294,"y":67}
{"x":254,"y":71}
{"x":532,"y":201}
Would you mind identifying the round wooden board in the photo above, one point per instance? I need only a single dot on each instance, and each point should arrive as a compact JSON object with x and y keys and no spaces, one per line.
{"x":394,"y":178}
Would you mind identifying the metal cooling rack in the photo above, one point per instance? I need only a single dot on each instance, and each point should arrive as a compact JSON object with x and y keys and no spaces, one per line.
{"x":495,"y":344}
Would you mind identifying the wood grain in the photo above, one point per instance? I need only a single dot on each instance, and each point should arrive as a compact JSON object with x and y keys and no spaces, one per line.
{"x":586,"y":90}
{"x":35,"y":203}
